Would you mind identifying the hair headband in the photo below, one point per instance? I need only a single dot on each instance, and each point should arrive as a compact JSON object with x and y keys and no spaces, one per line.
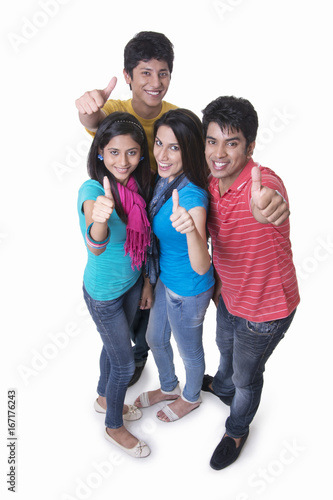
{"x":133,"y":123}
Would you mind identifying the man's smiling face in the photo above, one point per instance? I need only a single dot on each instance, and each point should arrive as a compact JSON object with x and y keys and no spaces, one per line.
{"x":150,"y":83}
{"x":226,"y":154}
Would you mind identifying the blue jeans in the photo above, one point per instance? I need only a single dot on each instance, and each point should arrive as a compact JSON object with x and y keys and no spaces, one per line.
{"x":244,"y":349}
{"x":112,"y":319}
{"x":184,"y":317}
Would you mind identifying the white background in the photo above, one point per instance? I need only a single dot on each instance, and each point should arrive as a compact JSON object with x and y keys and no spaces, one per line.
{"x":275,"y":53}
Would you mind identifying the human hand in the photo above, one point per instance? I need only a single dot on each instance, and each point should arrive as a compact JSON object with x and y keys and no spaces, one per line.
{"x":267,"y":204}
{"x":180,"y":218}
{"x":104,"y":205}
{"x":92,"y":101}
{"x":147,"y":294}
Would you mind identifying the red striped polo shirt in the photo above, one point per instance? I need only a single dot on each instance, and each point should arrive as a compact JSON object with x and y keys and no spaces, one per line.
{"x":253,"y":260}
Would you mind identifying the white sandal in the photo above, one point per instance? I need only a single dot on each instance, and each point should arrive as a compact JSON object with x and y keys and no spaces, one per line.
{"x":144,"y":397}
{"x":172,"y":416}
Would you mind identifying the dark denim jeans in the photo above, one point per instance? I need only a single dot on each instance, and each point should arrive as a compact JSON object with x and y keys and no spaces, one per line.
{"x":112,"y":319}
{"x":244,"y":347}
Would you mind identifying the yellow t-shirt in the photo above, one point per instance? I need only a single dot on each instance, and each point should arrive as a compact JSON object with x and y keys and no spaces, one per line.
{"x":148,"y":125}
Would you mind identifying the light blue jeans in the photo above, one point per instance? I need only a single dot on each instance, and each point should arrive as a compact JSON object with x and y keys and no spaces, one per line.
{"x":112,"y":319}
{"x":183,"y":316}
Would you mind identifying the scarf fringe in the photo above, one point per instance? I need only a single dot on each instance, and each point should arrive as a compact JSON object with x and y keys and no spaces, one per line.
{"x":136,"y":245}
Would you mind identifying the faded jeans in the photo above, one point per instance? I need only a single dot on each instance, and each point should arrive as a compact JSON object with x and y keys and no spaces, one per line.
{"x":112,"y":319}
{"x":184,"y":317}
{"x":244,"y":347}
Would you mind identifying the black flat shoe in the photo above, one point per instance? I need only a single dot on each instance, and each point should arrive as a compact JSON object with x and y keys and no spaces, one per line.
{"x":136,"y":375}
{"x":207,"y":380}
{"x":226,"y":452}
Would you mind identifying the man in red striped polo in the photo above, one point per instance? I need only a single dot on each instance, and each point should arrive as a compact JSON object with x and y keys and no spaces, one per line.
{"x":256,"y":290}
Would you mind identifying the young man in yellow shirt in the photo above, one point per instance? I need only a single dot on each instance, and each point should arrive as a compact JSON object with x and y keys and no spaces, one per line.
{"x":148,"y":64}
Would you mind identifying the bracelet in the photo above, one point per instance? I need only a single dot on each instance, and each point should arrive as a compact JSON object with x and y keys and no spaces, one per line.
{"x":97,"y":244}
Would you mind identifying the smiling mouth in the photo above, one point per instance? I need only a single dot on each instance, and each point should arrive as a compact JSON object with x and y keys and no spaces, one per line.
{"x":153,"y":93}
{"x":164,"y":166}
{"x":219,"y":165}
{"x":121,"y":170}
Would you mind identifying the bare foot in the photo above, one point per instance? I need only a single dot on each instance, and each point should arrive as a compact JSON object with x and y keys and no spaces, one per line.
{"x":123,"y":437}
{"x":156,"y":397}
{"x":179,"y":407}
{"x":102,"y":402}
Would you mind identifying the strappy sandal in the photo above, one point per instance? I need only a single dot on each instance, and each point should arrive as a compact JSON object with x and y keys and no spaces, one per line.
{"x":144,"y":397}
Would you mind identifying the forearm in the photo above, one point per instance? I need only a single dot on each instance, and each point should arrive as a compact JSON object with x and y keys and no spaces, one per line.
{"x":198,"y":252}
{"x":217,"y":288}
{"x":97,"y":233}
{"x":92,"y":121}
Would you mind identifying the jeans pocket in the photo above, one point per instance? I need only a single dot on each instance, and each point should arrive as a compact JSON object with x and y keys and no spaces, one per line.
{"x":264,"y":328}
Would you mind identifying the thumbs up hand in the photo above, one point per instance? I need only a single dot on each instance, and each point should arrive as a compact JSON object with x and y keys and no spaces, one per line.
{"x":268,"y":206}
{"x":104,"y":205}
{"x":92,"y":101}
{"x":180,"y":218}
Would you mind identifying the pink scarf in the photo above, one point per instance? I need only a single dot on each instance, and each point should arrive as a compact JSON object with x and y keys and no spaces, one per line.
{"x":138,"y":227}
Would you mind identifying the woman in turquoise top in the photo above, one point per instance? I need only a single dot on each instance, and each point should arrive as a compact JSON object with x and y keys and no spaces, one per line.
{"x":116,"y":231}
{"x":178,"y":213}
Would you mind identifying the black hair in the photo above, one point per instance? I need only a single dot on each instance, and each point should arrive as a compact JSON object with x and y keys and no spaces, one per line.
{"x":231,"y":112}
{"x":147,"y":45}
{"x":187,"y":128}
{"x":115,"y":124}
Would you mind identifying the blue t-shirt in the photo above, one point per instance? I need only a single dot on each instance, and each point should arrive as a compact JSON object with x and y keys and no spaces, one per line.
{"x":109,"y":275}
{"x":176,"y":272}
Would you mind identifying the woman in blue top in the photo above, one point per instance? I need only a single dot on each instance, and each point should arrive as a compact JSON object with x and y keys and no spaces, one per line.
{"x":116,"y":231}
{"x":178,"y":213}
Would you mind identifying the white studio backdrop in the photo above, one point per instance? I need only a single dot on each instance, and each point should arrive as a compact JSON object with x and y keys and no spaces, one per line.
{"x":275,"y":53}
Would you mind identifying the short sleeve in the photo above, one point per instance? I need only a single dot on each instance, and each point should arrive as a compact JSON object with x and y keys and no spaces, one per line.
{"x":89,"y":190}
{"x":193,"y":197}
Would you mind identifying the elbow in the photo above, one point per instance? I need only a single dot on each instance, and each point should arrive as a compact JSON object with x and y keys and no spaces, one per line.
{"x":203,"y":269}
{"x":96,"y":251}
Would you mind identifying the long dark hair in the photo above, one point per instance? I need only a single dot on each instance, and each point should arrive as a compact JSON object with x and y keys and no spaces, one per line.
{"x":119,"y":123}
{"x":187,"y":128}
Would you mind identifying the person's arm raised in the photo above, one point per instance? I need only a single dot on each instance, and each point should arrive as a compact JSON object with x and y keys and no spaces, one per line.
{"x":90,"y":105}
{"x":97,"y":214}
{"x":267,"y":205}
{"x":193,"y":224}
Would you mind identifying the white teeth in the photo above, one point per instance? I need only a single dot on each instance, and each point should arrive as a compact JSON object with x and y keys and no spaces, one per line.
{"x":152,"y":93}
{"x":164,"y":165}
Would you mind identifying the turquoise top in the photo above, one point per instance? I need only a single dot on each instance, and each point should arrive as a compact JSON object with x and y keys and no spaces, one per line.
{"x":109,"y":275}
{"x":176,"y":272}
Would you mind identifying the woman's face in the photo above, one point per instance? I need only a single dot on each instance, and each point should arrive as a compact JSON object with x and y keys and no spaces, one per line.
{"x":167,"y":153}
{"x":121,"y":157}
